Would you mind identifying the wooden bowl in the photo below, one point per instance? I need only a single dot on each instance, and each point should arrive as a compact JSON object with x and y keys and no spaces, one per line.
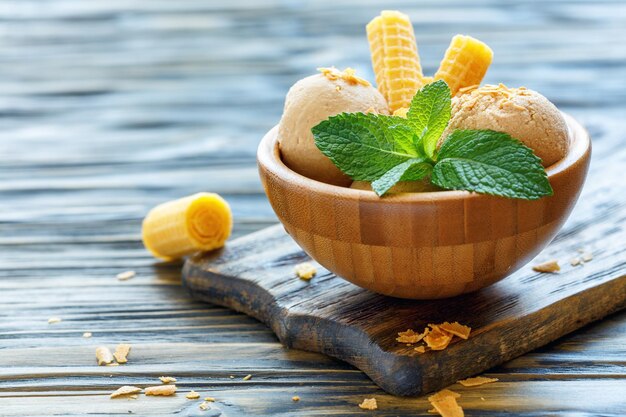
{"x":421,"y":245}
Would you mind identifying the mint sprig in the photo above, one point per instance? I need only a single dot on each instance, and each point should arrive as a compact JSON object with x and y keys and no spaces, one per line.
{"x":365,"y":146}
{"x":411,"y":170}
{"x":492,"y":163}
{"x":429,"y":114}
{"x":388,"y":149}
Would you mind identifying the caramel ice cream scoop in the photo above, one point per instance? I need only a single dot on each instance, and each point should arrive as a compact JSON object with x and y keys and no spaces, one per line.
{"x":522,"y":113}
{"x":312,"y":100}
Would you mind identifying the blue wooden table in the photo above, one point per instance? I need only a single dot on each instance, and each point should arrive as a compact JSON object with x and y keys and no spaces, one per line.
{"x":108,"y":108}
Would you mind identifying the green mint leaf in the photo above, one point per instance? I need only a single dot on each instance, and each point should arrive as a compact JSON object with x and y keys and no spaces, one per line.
{"x":490,"y":162}
{"x":429,"y":114}
{"x":411,"y":170}
{"x":365,"y":146}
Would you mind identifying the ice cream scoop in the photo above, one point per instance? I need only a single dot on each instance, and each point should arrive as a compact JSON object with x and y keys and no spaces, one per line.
{"x":522,"y":113}
{"x":312,"y":100}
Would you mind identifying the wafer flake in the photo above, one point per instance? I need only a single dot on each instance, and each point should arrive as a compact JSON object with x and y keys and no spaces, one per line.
{"x":125,"y":390}
{"x":447,"y":407}
{"x":410,"y":336}
{"x":437,"y":339}
{"x":442,"y":394}
{"x":103,"y":356}
{"x":167,"y":379}
{"x":576,"y":261}
{"x":209,"y":399}
{"x":587,"y":256}
{"x":87,"y":335}
{"x":420,"y":349}
{"x":247,"y":377}
{"x":456,"y":329}
{"x":295,"y":398}
{"x":192,"y":395}
{"x":548,"y":266}
{"x":476,"y":381}
{"x":126,"y":275}
{"x":369,"y":404}
{"x":348,"y":75}
{"x":163,"y":390}
{"x":204,"y":406}
{"x":305,"y":271}
{"x":54,"y":320}
{"x":121,"y":352}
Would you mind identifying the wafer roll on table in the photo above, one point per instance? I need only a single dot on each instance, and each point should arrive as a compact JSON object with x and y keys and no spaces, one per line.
{"x":395,"y":58}
{"x":200,"y":222}
{"x":465,"y":63}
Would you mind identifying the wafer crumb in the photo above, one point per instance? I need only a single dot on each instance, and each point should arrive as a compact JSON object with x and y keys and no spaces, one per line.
{"x":247,"y":377}
{"x":442,"y":394}
{"x":167,"y":379}
{"x":87,"y":335}
{"x":209,"y":399}
{"x":448,"y":407}
{"x":164,"y":390}
{"x":192,"y":395}
{"x":548,"y":266}
{"x":456,"y":329}
{"x":204,"y":406}
{"x":476,"y":381}
{"x":295,"y":398}
{"x":305,"y":271}
{"x":576,"y":261}
{"x":444,"y":402}
{"x":232,"y":376}
{"x":348,"y":75}
{"x":103,"y":355}
{"x":125,"y":390}
{"x":437,"y":339}
{"x":121,"y":352}
{"x":436,"y":336}
{"x":123,"y":276}
{"x":54,"y":320}
{"x":410,"y":336}
{"x":587,"y":256}
{"x":369,"y":404}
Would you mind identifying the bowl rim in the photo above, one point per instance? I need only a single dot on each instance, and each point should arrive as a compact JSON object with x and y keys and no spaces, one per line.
{"x":269,"y":158}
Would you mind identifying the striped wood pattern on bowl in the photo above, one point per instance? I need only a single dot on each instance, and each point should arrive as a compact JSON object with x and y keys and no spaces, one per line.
{"x":421,"y":245}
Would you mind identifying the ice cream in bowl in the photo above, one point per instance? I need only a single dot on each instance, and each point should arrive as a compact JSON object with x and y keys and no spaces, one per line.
{"x":423,"y":187}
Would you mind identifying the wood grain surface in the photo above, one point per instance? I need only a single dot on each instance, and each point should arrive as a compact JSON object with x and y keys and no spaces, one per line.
{"x":255,"y":275}
{"x":108,"y":108}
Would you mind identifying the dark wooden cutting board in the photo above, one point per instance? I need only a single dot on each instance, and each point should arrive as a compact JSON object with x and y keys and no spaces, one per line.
{"x":254,"y":274}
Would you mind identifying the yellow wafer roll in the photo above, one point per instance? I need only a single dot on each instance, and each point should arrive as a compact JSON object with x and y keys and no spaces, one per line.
{"x":394,"y":58}
{"x":200,"y":222}
{"x":465,"y":63}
